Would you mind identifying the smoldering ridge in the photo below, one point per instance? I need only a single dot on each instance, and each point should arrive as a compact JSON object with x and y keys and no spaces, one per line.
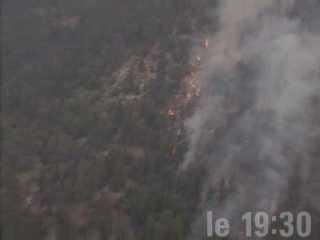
{"x":255,"y":124}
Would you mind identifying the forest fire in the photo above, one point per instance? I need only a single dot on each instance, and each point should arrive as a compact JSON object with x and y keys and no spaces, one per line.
{"x":172,"y":113}
{"x":206,"y":43}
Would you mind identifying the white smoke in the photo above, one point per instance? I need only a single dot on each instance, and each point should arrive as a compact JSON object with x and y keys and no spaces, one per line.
{"x":255,"y":124}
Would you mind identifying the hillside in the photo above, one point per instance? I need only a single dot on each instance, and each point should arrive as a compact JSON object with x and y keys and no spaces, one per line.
{"x":94,"y":102}
{"x":128,"y":120}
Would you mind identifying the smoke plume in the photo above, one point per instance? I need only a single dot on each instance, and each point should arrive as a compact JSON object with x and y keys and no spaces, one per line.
{"x":257,"y":126}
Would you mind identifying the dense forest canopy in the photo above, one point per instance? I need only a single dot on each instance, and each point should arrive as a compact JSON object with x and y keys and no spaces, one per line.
{"x":88,"y":149}
{"x":117,"y":116}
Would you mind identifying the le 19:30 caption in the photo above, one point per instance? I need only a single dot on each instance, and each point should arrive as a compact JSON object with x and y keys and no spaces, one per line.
{"x":261,"y":224}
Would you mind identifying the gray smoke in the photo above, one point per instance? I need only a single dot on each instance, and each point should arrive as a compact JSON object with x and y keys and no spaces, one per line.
{"x":257,"y":125}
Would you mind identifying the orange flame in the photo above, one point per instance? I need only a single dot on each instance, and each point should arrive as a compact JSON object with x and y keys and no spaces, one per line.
{"x":206,"y":43}
{"x":171,"y":113}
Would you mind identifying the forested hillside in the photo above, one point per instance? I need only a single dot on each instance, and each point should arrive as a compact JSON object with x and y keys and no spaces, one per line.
{"x":91,"y":139}
{"x":129,"y":120}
